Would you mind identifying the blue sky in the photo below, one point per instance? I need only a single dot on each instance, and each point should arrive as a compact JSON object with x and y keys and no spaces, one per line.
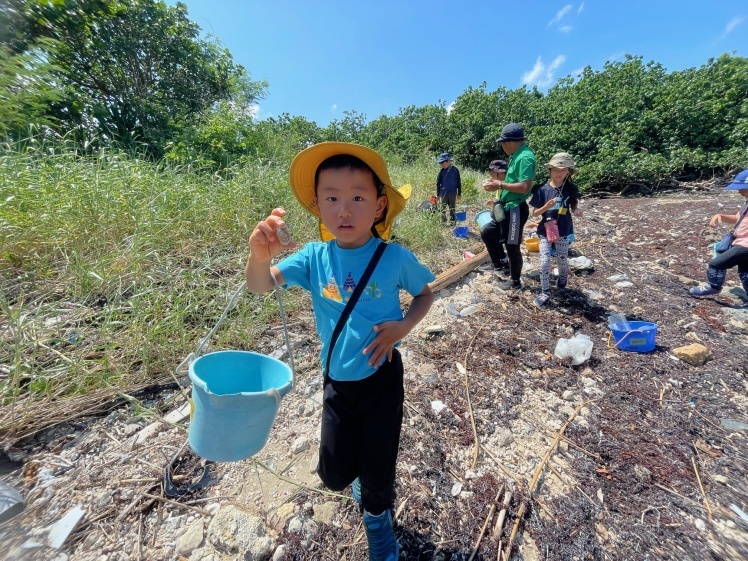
{"x":321,"y":58}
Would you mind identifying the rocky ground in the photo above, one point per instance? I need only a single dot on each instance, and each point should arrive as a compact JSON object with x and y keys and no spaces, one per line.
{"x":652,"y":463}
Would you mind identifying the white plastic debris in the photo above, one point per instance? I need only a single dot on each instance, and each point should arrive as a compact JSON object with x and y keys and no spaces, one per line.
{"x":580,"y":263}
{"x":11,"y":502}
{"x":736,"y":509}
{"x":60,"y":530}
{"x":578,"y":348}
{"x":616,"y":278}
{"x":438,"y":406}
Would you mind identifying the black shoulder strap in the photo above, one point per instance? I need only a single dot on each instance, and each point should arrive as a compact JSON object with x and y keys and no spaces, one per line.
{"x":744,"y":212}
{"x":352,"y":302}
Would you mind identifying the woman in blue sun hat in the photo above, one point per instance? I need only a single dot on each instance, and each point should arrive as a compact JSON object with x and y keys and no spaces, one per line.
{"x":737,"y":253}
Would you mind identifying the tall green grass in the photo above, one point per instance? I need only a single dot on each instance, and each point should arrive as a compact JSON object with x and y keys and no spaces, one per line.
{"x":114,"y":267}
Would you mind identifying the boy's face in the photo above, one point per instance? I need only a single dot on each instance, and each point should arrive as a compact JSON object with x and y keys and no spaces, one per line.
{"x":348,"y":205}
{"x":497,"y":175}
{"x":445,"y":164}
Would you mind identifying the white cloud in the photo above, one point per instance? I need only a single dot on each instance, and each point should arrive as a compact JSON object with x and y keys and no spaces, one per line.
{"x":543,"y":75}
{"x":334,"y":107}
{"x":560,"y":15}
{"x":733,"y":23}
{"x":581,"y":7}
{"x":729,"y":28}
{"x":451,"y":107}
{"x":565,"y":28}
{"x":615,"y":56}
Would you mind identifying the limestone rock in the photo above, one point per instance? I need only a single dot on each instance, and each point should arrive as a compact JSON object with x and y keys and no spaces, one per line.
{"x":694,"y":354}
{"x":239,"y":533}
{"x":191,"y":539}
{"x":325,"y":513}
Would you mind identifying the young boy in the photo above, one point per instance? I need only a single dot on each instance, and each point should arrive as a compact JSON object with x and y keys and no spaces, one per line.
{"x":737,"y":254}
{"x":491,"y":234}
{"x":348,"y":188}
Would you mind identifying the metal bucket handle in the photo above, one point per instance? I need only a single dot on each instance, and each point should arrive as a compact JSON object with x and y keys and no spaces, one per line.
{"x":184,"y":365}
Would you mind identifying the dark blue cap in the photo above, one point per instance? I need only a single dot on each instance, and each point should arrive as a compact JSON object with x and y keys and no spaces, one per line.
{"x":512,"y":131}
{"x":443,"y":157}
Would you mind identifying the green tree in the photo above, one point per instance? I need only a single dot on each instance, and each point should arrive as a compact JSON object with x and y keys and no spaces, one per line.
{"x":136,"y":71}
{"x":26,"y":92}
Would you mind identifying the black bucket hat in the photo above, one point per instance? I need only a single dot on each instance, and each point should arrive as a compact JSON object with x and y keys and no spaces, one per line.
{"x":512,"y":131}
{"x":498,"y":166}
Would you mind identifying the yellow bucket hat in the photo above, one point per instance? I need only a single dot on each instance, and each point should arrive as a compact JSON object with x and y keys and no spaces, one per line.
{"x":304,"y":167}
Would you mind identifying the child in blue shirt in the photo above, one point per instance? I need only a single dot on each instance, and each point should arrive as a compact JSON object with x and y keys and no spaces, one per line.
{"x":348,"y":187}
{"x":555,"y":202}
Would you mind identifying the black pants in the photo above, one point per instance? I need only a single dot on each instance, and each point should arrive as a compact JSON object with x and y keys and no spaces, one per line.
{"x":716,"y":273}
{"x":449,"y":201}
{"x":495,"y":236}
{"x":361,"y":433}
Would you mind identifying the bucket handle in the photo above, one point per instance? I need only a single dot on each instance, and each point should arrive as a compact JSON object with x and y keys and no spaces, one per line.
{"x":615,"y":346}
{"x":184,"y":365}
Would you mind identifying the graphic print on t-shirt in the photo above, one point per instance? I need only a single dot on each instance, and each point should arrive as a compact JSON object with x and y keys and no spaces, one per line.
{"x":331,"y":291}
{"x":334,"y":292}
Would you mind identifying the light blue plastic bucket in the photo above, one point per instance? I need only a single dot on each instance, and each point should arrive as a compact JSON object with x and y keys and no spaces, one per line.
{"x":235,"y":396}
{"x":483,"y":218}
{"x":635,"y":336}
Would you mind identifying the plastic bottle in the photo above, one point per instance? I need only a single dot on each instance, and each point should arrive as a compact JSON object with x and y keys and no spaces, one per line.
{"x":468,"y":310}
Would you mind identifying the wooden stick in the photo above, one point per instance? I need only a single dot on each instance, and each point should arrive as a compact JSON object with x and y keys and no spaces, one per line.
{"x":703,"y":494}
{"x":296,"y":483}
{"x":476,"y":450}
{"x":176,"y":503}
{"x":485,"y":524}
{"x":515,"y":528}
{"x":561,"y":478}
{"x":134,"y":502}
{"x":538,"y":470}
{"x":669,"y":490}
{"x":509,"y":474}
{"x":452,"y":275}
{"x":500,"y":520}
{"x":566,"y":439}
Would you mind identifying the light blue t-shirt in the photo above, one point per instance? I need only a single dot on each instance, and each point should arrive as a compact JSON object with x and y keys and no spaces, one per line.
{"x":330,"y":274}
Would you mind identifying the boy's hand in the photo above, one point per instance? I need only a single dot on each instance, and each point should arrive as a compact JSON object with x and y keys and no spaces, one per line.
{"x":388,"y":333}
{"x":263,"y":242}
{"x":716,"y":219}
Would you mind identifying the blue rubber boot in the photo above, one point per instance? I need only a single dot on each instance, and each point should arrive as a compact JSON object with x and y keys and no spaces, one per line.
{"x":382,"y":543}
{"x":356,"y":490}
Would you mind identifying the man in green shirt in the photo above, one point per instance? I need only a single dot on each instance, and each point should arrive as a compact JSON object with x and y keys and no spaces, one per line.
{"x":513,"y":194}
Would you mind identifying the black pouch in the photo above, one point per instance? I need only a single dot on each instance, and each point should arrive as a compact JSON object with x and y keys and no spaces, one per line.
{"x":725,"y":243}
